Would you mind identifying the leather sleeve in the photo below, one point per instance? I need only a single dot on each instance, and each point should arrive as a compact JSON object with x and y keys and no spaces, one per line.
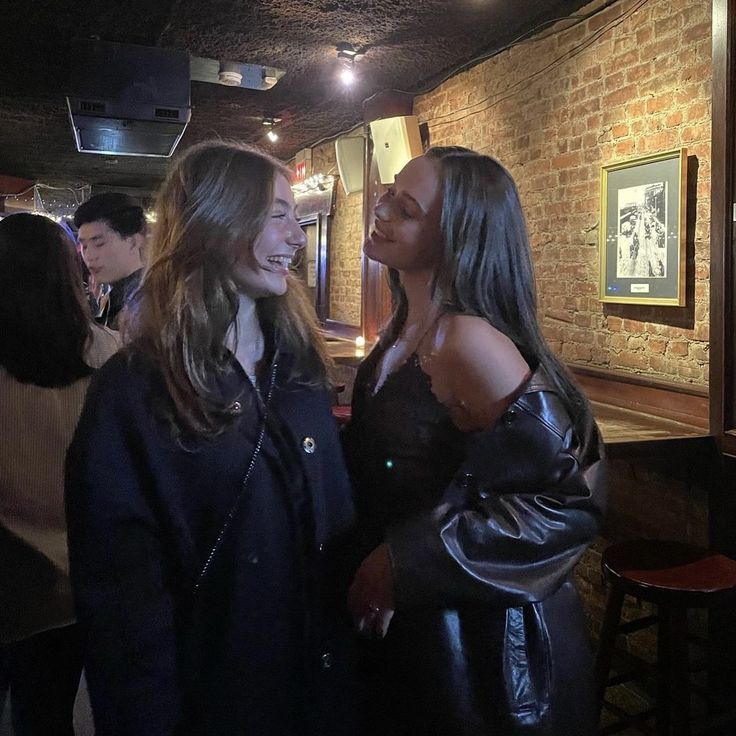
{"x":527,"y":501}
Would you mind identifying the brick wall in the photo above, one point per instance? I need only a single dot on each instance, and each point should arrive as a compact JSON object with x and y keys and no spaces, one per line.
{"x":632,"y":80}
{"x":345,"y":257}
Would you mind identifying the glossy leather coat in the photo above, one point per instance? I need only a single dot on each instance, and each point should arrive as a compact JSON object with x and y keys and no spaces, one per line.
{"x":489,"y":637}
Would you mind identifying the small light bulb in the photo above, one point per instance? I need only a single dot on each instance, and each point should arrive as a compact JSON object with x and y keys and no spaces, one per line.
{"x":347,"y":76}
{"x":272,"y":135}
{"x":360,"y":341}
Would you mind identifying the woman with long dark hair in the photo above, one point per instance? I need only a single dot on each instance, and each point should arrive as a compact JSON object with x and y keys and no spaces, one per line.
{"x":205,"y":483}
{"x":476,"y":464}
{"x":49,"y":349}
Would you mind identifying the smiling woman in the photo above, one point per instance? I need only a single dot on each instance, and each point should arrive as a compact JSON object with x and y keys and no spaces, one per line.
{"x":205,"y":485}
{"x":264,"y":270}
{"x":477,"y":473}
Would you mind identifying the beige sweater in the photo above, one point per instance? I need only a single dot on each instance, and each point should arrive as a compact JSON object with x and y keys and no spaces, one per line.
{"x":36,"y":427}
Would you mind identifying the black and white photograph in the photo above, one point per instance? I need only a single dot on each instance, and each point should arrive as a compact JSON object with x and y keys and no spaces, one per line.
{"x":642,"y":242}
{"x":642,"y":251}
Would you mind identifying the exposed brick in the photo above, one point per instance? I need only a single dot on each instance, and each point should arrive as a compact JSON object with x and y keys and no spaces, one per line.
{"x":642,"y":87}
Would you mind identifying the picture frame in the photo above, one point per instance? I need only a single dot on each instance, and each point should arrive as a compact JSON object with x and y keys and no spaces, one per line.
{"x":642,"y":234}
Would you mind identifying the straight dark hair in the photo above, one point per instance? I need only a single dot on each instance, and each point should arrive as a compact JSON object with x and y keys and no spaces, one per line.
{"x":120,"y":211}
{"x":485,"y":267}
{"x":45,"y":323}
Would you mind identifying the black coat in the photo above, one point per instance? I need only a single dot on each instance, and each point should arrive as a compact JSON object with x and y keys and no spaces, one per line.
{"x":260,"y":648}
{"x":488,"y":636}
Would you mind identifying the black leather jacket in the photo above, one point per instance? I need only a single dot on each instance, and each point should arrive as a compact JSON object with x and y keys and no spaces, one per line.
{"x":483,"y":583}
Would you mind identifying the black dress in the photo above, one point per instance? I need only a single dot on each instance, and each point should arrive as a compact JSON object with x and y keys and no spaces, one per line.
{"x":406,"y":452}
{"x":408,"y":447}
{"x":498,"y":645}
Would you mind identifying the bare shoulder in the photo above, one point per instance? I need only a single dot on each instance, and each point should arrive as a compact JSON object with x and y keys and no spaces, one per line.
{"x":476,"y":370}
{"x":465,"y":341}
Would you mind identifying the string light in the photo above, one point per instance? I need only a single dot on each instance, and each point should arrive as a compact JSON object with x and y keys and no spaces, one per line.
{"x":56,"y":202}
{"x":316,"y":181}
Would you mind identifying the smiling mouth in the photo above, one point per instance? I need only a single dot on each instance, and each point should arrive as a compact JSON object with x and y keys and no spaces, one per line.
{"x":376,"y":232}
{"x":280,"y":261}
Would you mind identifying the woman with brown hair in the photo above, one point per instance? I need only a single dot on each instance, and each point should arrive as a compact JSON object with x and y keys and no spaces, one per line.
{"x":205,"y":483}
{"x":477,"y":473}
{"x":49,"y":349}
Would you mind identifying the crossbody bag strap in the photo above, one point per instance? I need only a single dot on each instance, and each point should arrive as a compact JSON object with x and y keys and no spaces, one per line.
{"x":265,"y":404}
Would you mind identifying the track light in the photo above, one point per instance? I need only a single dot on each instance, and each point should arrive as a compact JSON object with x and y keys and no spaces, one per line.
{"x":271,"y":134}
{"x":346,"y":54}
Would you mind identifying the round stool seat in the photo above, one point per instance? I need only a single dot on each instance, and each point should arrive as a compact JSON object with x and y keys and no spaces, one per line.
{"x":670,"y":572}
{"x":342,"y":414}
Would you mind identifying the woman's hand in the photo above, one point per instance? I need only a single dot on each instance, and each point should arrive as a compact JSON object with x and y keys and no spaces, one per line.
{"x":371,"y":596}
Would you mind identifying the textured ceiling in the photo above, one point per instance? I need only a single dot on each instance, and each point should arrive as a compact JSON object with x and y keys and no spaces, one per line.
{"x":408,"y":45}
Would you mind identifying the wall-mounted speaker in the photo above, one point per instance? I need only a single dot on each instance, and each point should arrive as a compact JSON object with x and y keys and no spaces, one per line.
{"x":350,"y":154}
{"x":395,"y":142}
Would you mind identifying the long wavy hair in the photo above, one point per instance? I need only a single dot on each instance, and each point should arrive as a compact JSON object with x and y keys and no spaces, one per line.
{"x":210,"y":209}
{"x":45,"y":321}
{"x":485,"y":267}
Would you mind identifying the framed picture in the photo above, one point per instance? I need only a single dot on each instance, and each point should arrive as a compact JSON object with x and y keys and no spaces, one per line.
{"x":642,"y":246}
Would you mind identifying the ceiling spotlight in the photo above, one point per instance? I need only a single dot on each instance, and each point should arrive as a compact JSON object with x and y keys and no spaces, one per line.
{"x":346,"y":55}
{"x":271,"y":134}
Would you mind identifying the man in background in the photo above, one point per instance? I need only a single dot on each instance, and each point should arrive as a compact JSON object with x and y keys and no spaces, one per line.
{"x":112,"y":233}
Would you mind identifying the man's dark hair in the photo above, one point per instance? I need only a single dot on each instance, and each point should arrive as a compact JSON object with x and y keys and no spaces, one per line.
{"x":45,"y":322}
{"x":120,"y":211}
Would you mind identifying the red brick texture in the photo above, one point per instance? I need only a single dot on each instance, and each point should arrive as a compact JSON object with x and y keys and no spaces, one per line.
{"x":631,"y":80}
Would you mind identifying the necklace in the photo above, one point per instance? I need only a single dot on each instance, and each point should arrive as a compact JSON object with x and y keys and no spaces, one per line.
{"x":414,"y":334}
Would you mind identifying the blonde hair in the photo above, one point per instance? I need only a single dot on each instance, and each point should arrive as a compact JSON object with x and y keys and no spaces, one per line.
{"x":211,"y":207}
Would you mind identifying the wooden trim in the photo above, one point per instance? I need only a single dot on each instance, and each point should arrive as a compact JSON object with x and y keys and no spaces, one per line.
{"x":690,"y":448}
{"x":679,"y":402}
{"x":722,"y":376}
{"x":341,"y":329}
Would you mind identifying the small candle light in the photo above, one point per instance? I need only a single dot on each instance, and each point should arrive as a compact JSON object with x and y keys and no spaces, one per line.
{"x":360,"y":342}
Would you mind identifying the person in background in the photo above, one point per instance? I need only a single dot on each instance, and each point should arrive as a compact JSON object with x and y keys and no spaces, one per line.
{"x":477,"y":472}
{"x":112,"y":236}
{"x":49,"y":349}
{"x":205,"y":483}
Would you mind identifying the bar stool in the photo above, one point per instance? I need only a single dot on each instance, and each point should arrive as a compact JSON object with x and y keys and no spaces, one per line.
{"x":675,"y":577}
{"x":342,"y":414}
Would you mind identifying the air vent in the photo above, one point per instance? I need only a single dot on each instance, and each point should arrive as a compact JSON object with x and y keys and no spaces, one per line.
{"x":86,"y":106}
{"x":127,"y":100}
{"x":162,"y":112}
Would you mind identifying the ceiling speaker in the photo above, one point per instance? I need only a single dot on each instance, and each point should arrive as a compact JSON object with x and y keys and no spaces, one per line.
{"x":395,"y":142}
{"x":350,"y":154}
